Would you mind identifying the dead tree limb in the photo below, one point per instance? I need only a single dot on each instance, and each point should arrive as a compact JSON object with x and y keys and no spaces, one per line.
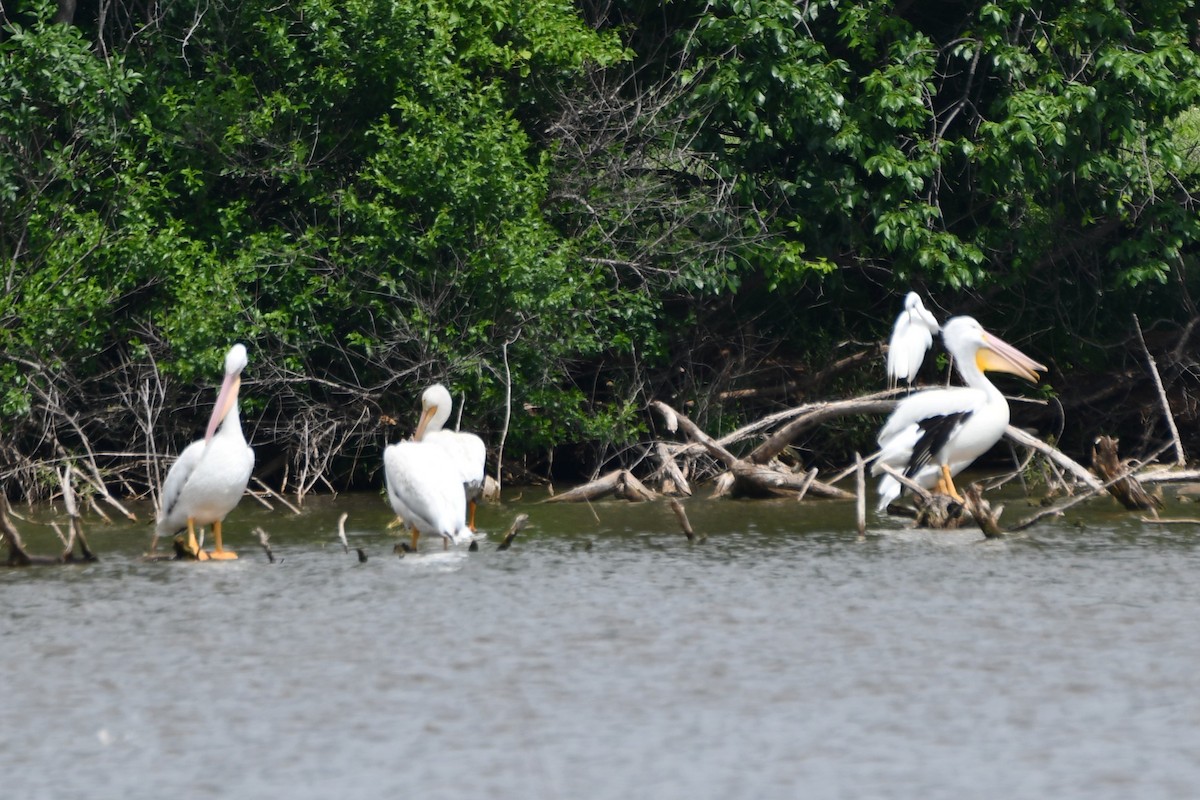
{"x":1057,"y":510}
{"x":671,"y":471}
{"x":757,"y":477}
{"x":815,"y":414}
{"x":1080,"y":472}
{"x":1180,"y":458}
{"x":1122,"y":484}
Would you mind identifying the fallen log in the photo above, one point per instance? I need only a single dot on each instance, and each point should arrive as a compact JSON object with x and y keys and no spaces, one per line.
{"x":619,"y":482}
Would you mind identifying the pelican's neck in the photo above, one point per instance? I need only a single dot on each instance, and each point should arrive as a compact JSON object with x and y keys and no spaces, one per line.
{"x":231,"y":427}
{"x":973,"y":376}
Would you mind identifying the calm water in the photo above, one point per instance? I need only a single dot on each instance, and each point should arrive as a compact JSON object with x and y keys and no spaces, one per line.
{"x":606,"y":657}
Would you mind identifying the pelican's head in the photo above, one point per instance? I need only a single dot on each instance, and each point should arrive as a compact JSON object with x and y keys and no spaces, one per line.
{"x":235,"y":361}
{"x":968,"y":342}
{"x":435,"y":410}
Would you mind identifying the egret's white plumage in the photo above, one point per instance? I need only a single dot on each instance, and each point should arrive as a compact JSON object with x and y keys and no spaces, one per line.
{"x":210,"y":476}
{"x":912,"y":337}
{"x":466,"y":450}
{"x":934,"y":434}
{"x":425,"y":490}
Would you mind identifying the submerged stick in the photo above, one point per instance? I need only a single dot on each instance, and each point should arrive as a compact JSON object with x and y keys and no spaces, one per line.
{"x":342,"y":532}
{"x":860,"y":505}
{"x":518,"y":525}
{"x":681,"y":515}
{"x":264,"y":542}
{"x":362,"y":555}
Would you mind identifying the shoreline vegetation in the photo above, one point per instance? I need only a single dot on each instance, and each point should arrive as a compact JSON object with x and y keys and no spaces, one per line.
{"x":593,"y":223}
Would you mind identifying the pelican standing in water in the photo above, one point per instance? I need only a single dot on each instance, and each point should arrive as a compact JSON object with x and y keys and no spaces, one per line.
{"x":934,"y":434}
{"x":425,"y":489}
{"x":912,"y":337}
{"x":466,"y":450}
{"x":210,"y":476}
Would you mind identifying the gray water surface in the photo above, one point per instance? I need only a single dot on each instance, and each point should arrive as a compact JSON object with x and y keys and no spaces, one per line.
{"x":604,"y":656}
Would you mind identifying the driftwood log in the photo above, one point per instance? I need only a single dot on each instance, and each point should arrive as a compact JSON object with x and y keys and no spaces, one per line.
{"x":1121,"y":483}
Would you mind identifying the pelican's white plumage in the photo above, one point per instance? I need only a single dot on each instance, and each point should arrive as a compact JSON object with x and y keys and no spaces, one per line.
{"x":934,"y":434}
{"x":912,"y":337}
{"x":210,"y":476}
{"x":425,"y":490}
{"x":466,"y":450}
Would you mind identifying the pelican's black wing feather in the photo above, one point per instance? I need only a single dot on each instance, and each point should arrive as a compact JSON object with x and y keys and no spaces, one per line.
{"x":935,"y":432}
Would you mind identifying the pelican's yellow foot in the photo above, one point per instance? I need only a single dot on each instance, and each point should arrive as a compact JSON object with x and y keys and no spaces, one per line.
{"x":221,"y":555}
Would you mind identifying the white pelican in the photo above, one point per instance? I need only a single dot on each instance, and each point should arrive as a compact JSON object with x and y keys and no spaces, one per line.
{"x":208,"y":479}
{"x":911,"y":339}
{"x":425,"y":489}
{"x":934,"y":434}
{"x":466,"y":450}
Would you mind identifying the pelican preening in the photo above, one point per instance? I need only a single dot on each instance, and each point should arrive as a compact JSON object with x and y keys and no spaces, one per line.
{"x":434,"y":481}
{"x":934,"y":434}
{"x":208,"y":479}
{"x":911,"y":339}
{"x":425,"y":489}
{"x":466,"y":450}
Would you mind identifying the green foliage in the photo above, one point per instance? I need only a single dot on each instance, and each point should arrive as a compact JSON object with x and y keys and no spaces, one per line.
{"x":958,"y":150}
{"x":374,"y":194}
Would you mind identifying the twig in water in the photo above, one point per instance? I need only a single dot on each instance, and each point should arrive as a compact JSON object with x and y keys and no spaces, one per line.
{"x":860,"y":504}
{"x":518,"y":525}
{"x":277,"y":496}
{"x":264,"y":542}
{"x":362,"y":556}
{"x":342,"y":532}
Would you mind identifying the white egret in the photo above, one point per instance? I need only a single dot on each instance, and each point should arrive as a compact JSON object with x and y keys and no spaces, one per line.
{"x":912,"y":337}
{"x":210,"y":476}
{"x":934,"y":434}
{"x":466,"y":450}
